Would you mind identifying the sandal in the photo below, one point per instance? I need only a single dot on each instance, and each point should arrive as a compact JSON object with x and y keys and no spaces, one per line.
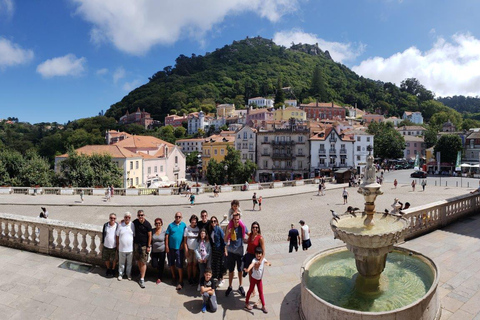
{"x":248,"y":306}
{"x":179,"y":287}
{"x":264,"y":310}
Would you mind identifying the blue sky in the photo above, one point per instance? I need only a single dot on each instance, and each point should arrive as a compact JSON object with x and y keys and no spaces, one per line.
{"x":69,"y":59}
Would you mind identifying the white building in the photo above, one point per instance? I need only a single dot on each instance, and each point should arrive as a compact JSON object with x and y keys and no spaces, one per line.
{"x":261,"y":102}
{"x":361,"y":141}
{"x":246,"y":143}
{"x":415,"y":117}
{"x":190,"y":145}
{"x":329,"y":149}
{"x":196,"y":121}
{"x":415,"y":131}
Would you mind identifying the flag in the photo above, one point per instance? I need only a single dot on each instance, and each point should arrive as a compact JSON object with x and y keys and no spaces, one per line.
{"x":416,"y":166}
{"x":459,"y":160}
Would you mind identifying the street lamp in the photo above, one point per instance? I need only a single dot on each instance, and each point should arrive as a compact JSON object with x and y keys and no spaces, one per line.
{"x":226,"y":172}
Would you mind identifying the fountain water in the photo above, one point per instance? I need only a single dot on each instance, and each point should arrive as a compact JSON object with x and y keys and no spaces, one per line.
{"x":384,"y":282}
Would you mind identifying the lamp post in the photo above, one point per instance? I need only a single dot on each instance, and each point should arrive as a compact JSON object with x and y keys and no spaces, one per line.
{"x":226,"y":173}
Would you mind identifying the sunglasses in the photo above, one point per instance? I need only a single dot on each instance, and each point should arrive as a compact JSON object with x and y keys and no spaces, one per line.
{"x":158,"y":223}
{"x":140,"y":215}
{"x":113,"y":218}
{"x":254,"y":227}
{"x":179,"y":217}
{"x":127,"y":217}
{"x":214,"y":221}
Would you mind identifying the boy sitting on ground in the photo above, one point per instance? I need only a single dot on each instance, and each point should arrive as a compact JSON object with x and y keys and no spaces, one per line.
{"x":207,"y":290}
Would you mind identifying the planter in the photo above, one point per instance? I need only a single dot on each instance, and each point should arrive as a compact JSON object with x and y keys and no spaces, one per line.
{"x":226,"y":188}
{"x":131,"y":192}
{"x":299,"y":182}
{"x":278,"y":184}
{"x":98,"y":192}
{"x":164,"y":191}
{"x":5,"y":190}
{"x":67,"y":191}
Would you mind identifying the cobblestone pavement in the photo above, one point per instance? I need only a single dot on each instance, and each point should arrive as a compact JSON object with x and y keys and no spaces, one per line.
{"x":32,"y":286}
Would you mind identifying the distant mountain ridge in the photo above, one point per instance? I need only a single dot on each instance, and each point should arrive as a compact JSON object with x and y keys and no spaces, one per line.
{"x":258,"y":67}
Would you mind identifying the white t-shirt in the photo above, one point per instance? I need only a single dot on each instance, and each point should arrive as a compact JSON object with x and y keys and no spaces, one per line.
{"x":306,"y":233}
{"x":230,"y":213}
{"x":258,"y":273}
{"x":125,"y":235}
{"x":109,"y":241}
{"x":191,"y":234}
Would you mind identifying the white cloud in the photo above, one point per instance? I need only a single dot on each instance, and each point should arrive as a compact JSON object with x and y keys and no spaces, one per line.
{"x":136,"y":26}
{"x":7,"y":7}
{"x":118,"y":74}
{"x":12,"y":54}
{"x":101,"y":72}
{"x":339,"y":52}
{"x":129,"y":86}
{"x":448,"y":68}
{"x":68,"y":65}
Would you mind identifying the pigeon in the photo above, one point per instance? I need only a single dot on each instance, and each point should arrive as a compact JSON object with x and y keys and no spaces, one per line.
{"x":336,"y":217}
{"x":386,"y":213}
{"x":352,"y":211}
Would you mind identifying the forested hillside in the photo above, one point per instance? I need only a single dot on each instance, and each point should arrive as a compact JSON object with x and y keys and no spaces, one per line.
{"x":258,"y":67}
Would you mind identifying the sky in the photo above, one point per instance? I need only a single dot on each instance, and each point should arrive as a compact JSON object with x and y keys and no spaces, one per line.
{"x":69,"y":59}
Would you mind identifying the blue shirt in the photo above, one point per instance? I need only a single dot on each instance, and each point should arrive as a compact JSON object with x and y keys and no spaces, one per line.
{"x":175,"y":234}
{"x":237,"y":245}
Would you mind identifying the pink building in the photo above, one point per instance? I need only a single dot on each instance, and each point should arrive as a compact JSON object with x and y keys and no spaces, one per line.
{"x":139,"y":117}
{"x":259,"y":115}
{"x":414,"y":146}
{"x":175,"y":121}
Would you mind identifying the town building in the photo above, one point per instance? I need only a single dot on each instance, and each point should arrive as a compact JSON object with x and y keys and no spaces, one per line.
{"x":260,"y":102}
{"x":164,"y":160}
{"x":197,"y":121}
{"x":225,"y":110}
{"x":415,"y":116}
{"x":246,"y":143}
{"x":215,"y":148}
{"x":394,"y":120}
{"x":291,"y":103}
{"x":175,"y":121}
{"x":112,"y":136}
{"x":130,"y":162}
{"x":282,"y":152}
{"x":139,"y":117}
{"x":317,"y":110}
{"x":472,"y":147}
{"x":411,"y":131}
{"x":371,"y":117}
{"x":330,"y":149}
{"x":289,"y":113}
{"x":255,"y":116}
{"x":190,"y":145}
{"x":414,"y":145}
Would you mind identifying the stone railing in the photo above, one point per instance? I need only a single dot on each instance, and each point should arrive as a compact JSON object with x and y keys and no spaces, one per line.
{"x":75,"y":241}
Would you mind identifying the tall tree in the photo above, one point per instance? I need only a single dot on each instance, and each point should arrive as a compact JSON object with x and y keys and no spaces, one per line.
{"x":388,"y":142}
{"x":448,"y":145}
{"x":279,"y":94}
{"x":317,"y":88}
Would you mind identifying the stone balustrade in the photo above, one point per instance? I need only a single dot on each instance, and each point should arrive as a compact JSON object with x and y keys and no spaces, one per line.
{"x":75,"y":241}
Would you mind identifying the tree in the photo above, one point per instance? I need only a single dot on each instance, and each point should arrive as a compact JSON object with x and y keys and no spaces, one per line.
{"x":388,"y":142}
{"x":317,"y":88}
{"x":448,"y":145}
{"x":35,"y":170}
{"x":215,"y":172}
{"x":413,"y":86}
{"x":192,"y":159}
{"x":279,"y":94}
{"x":430,"y":136}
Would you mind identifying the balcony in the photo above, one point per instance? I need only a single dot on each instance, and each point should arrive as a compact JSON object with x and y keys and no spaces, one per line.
{"x":283,"y":143}
{"x":300,"y":155}
{"x":343,"y":151}
{"x":265,"y":154}
{"x":282,"y":156}
{"x":322,"y":151}
{"x":332,"y":151}
{"x":206,"y":156}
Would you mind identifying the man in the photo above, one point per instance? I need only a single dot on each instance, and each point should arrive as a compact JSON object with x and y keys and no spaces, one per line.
{"x":204,"y":222}
{"x":234,"y":253}
{"x":143,"y":244}
{"x":174,"y":245}
{"x":125,"y":234}
{"x":294,"y":238}
{"x":109,"y":241}
{"x":305,"y":236}
{"x":254,"y":200}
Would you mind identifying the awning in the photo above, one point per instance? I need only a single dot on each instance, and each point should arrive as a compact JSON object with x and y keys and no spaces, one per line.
{"x":342,"y":170}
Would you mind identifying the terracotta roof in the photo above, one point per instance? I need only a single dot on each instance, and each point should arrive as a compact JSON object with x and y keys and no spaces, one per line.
{"x":410,"y":128}
{"x":474,"y":135}
{"x":190,"y":140}
{"x":219,"y":138}
{"x":320,"y":104}
{"x":142,"y":142}
{"x":261,"y":110}
{"x":114,"y":151}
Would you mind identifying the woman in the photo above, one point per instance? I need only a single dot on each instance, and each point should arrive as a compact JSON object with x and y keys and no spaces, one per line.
{"x":191,"y":235}
{"x":158,"y":248}
{"x":254,"y":240}
{"x":218,"y":246}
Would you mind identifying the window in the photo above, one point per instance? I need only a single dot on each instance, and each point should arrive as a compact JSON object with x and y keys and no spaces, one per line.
{"x":161,"y":168}
{"x":222,"y":152}
{"x":408,"y":151}
{"x":322,"y":147}
{"x":131,"y":165}
{"x":332,"y":160}
{"x":265,"y":164}
{"x":415,"y":144}
{"x":358,"y":148}
{"x":149,"y":170}
{"x":251,"y":156}
{"x":245,"y":135}
{"x":321,"y":161}
{"x":136,"y":164}
{"x":343,"y":160}
{"x":136,"y":181}
{"x":289,"y":164}
{"x":265,"y":139}
{"x":300,"y":151}
{"x":239,"y":136}
{"x":244,"y":156}
{"x":215,"y":152}
{"x":155,"y":169}
{"x":342,"y":146}
{"x":251,"y":136}
{"x":250,"y":146}
{"x":358,"y":158}
{"x":300,"y":164}
{"x":239,"y":146}
{"x":265,"y":151}
{"x":368,"y":139}
{"x":300,"y":138}
{"x":176,"y":159}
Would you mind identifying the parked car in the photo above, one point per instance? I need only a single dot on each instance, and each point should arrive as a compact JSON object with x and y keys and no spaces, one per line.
{"x":418,"y":174}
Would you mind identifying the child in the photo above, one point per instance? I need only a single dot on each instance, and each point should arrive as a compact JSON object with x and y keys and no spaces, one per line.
{"x":260,"y":203}
{"x":257,"y":266}
{"x":235,"y":208}
{"x":207,"y":290}
{"x":192,"y":199}
{"x":202,"y":252}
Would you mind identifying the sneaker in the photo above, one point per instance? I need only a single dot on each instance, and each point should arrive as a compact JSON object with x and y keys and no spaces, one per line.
{"x":141,"y":283}
{"x":198,"y":287}
{"x":129,"y":278}
{"x":228,"y":291}
{"x":221,"y":283}
{"x":119,"y":278}
{"x":204,"y":308}
{"x":241,"y":291}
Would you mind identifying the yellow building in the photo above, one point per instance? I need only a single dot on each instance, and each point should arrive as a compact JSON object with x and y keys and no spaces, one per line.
{"x":215,"y":147}
{"x":290,"y":112}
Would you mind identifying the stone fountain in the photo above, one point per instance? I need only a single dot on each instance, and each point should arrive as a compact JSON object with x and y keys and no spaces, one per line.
{"x":334,"y":288}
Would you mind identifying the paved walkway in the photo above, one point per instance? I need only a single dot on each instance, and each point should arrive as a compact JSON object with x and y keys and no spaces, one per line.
{"x":32,"y":286}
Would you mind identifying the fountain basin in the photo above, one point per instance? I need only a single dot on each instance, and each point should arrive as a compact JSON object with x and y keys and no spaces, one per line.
{"x":341,"y":300}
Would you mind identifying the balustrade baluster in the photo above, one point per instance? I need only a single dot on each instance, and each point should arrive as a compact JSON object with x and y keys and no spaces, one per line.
{"x":20,"y":232}
{"x":75,"y":242}
{"x":84,"y":242}
{"x":67,"y":240}
{"x":59,"y":245}
{"x":93,"y":245}
{"x":27,"y":234}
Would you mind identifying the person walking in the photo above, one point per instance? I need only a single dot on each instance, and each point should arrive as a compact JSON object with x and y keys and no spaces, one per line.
{"x":424,"y":184}
{"x":305,"y":235}
{"x":81,"y":195}
{"x":345,"y":195}
{"x":174,"y":245}
{"x":157,"y":255}
{"x":109,"y":241}
{"x":125,"y":233}
{"x":192,"y":199}
{"x":143,"y":244}
{"x":293,"y":238}
{"x":260,"y":203}
{"x":395,"y":182}
{"x":413,"y":185}
{"x":254,"y":200}
{"x":319,"y":188}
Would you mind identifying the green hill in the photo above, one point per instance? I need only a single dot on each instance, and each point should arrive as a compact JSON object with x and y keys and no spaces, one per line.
{"x":258,"y":67}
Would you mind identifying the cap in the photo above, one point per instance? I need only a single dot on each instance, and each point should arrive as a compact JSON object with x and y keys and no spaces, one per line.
{"x":301,"y":221}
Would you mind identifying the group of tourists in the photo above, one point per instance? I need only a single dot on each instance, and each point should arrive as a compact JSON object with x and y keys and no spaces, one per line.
{"x":208,"y":250}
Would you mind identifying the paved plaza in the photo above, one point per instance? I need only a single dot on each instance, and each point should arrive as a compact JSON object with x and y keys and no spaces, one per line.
{"x":33,"y":286}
